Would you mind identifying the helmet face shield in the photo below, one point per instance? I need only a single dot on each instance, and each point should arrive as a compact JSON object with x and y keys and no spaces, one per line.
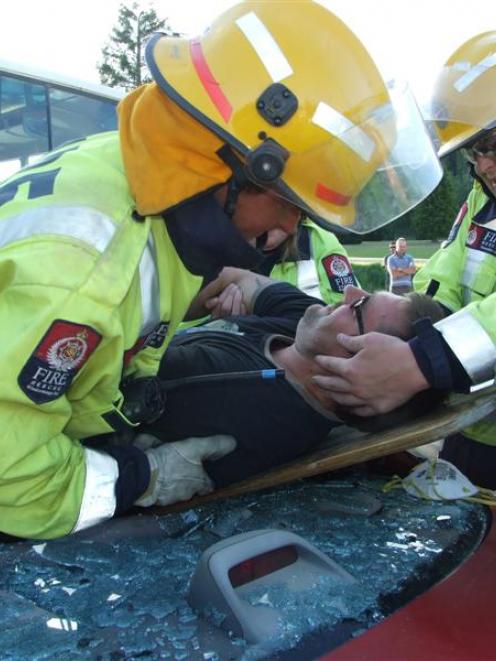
{"x":409,"y":172}
{"x":462,"y":101}
{"x":313,"y":122}
{"x":369,"y":174}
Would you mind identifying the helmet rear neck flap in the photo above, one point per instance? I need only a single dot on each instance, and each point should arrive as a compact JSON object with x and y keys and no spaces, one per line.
{"x":169,"y":157}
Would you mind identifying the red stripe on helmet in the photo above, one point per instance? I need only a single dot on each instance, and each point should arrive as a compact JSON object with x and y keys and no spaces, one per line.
{"x":332,"y":196}
{"x":211,"y":86}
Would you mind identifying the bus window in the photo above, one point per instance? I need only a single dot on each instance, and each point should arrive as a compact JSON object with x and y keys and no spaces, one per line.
{"x":24,"y":128}
{"x":75,"y":115}
{"x":40,"y":111}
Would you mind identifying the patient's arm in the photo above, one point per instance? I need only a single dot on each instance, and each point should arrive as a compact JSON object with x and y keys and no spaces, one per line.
{"x":233,"y":292}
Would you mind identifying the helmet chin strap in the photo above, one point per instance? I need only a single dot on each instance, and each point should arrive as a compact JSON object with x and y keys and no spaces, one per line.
{"x":236,"y":183}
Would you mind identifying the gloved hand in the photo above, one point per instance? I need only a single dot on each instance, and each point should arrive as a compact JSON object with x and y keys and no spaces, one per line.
{"x":177,"y":471}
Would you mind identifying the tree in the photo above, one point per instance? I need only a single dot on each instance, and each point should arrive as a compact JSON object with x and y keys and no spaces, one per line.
{"x":457,"y":164}
{"x":123,"y":62}
{"x":434,"y":217}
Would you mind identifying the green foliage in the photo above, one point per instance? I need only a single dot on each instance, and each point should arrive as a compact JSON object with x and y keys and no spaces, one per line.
{"x":376,"y":250}
{"x":348,"y":238}
{"x":460,"y":169}
{"x":371,"y":277}
{"x":433,"y":219}
{"x":123,"y":56}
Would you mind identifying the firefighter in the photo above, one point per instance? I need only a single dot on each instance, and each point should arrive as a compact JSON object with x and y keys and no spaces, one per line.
{"x":105,"y":242}
{"x":458,"y":352}
{"x":314,"y":260}
{"x":463,"y":272}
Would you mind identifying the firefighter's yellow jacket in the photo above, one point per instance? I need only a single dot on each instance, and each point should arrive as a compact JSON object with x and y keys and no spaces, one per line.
{"x":92,"y":290}
{"x":462,"y":277}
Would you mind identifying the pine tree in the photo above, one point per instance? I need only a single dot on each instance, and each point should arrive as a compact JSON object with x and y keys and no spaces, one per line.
{"x":123,"y":56}
{"x":434,"y":217}
{"x":457,"y":164}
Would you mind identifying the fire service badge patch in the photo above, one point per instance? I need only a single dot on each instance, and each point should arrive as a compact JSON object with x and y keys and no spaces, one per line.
{"x":57,"y":359}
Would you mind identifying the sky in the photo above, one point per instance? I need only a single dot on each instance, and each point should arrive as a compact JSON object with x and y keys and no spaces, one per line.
{"x":409,"y":39}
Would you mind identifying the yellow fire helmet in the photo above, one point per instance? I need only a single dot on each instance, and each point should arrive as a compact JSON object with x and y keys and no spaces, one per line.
{"x":300,"y":103}
{"x":462,"y":104}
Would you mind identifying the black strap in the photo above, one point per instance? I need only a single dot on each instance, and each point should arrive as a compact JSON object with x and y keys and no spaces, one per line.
{"x":430,"y":352}
{"x":432,"y":288}
{"x":237,"y":182}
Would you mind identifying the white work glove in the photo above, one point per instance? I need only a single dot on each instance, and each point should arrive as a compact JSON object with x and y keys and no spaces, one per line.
{"x":176,"y":470}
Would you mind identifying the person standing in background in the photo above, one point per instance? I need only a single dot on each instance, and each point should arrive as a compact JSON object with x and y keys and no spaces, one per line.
{"x":392,"y":246}
{"x":401,"y":268}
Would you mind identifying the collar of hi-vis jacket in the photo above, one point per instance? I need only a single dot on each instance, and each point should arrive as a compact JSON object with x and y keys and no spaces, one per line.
{"x":169,"y":157}
{"x":487,"y":213}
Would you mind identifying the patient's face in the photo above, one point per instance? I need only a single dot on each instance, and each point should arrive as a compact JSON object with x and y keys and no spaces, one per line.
{"x":320,"y":325}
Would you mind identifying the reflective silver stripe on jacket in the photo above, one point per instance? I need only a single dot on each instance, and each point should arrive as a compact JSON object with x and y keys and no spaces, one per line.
{"x":308,"y":278}
{"x":150,"y":292}
{"x":94,"y":229}
{"x":99,"y":500}
{"x":473,"y":262}
{"x":83,"y":223}
{"x":471,"y":344}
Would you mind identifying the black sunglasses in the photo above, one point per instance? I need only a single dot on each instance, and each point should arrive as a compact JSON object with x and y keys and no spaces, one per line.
{"x":356,"y":306}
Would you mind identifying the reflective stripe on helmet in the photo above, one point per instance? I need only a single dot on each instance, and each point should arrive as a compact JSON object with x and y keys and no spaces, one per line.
{"x":329,"y":195}
{"x":212,"y":87}
{"x":474,"y":72}
{"x":265,"y":46}
{"x":340,"y":127}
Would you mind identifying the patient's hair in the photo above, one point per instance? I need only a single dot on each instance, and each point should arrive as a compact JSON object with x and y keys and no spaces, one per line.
{"x":420,"y":306}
